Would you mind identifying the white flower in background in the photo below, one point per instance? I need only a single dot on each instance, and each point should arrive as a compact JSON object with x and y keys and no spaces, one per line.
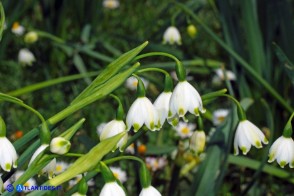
{"x":132,"y":82}
{"x":17,"y":29}
{"x":113,"y":128}
{"x":219,"y":116}
{"x":197,"y":142}
{"x":155,"y":163}
{"x":172,"y":36}
{"x":219,"y":77}
{"x":131,"y":149}
{"x":119,"y":174}
{"x":29,"y":183}
{"x":59,"y":145}
{"x":184,"y":98}
{"x":248,"y":134}
{"x":100,"y":127}
{"x":185,"y":130}
{"x":49,"y":169}
{"x":8,"y":155}
{"x":282,"y":150}
{"x":60,"y":167}
{"x":175,"y":77}
{"x":111,"y":4}
{"x":26,"y":57}
{"x":161,"y":104}
{"x":112,"y":189}
{"x":142,"y":112}
{"x":150,"y":191}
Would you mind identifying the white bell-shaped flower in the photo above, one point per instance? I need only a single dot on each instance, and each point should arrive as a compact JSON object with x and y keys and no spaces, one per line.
{"x":111,"y":4}
{"x":112,"y":189}
{"x":172,"y":36}
{"x":248,"y":134}
{"x":142,"y":112}
{"x":8,"y":155}
{"x":183,"y":99}
{"x":17,"y":29}
{"x":282,"y":150}
{"x":150,"y":191}
{"x":113,"y":128}
{"x":26,"y":57}
{"x":59,"y":145}
{"x":161,"y":104}
{"x":219,"y":116}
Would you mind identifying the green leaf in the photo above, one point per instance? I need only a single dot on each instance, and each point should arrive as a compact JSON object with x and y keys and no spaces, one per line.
{"x":287,"y":64}
{"x":111,"y":70}
{"x":2,"y":20}
{"x":86,"y":33}
{"x":80,"y":65}
{"x":163,"y":149}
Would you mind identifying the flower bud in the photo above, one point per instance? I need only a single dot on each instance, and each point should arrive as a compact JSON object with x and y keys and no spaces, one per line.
{"x":197,"y":142}
{"x":59,"y":145}
{"x":31,"y":37}
{"x":192,"y":31}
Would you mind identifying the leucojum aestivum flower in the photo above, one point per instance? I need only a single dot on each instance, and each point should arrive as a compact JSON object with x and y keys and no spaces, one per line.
{"x":144,"y":116}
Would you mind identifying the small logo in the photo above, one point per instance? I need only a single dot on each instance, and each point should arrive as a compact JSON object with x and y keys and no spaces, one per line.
{"x":19,"y":188}
{"x":9,"y":188}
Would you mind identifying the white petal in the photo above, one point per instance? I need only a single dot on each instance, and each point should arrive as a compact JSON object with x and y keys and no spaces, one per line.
{"x":112,"y":189}
{"x":150,"y":191}
{"x":135,"y":115}
{"x":38,"y":151}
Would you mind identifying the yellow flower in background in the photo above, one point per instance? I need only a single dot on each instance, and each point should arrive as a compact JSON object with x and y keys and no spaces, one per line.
{"x":111,"y":4}
{"x":31,"y":37}
{"x":185,"y":130}
{"x":192,"y":30}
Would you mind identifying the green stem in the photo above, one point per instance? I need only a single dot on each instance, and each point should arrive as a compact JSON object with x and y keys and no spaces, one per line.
{"x":287,"y":132}
{"x":168,"y":83}
{"x":213,"y":94}
{"x":240,"y":110}
{"x":120,"y":110}
{"x":2,"y":128}
{"x":73,"y":155}
{"x":50,"y":36}
{"x":180,"y":70}
{"x":2,"y":20}
{"x":140,"y":87}
{"x":44,"y":132}
{"x":242,"y":62}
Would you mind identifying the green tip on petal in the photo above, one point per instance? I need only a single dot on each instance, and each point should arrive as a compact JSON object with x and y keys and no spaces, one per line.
{"x":282,"y":164}
{"x":265,"y":141}
{"x":196,"y":111}
{"x":235,"y":152}
{"x":271,"y":158}
{"x":258,"y":144}
{"x":181,"y":112}
{"x":7,"y":166}
{"x":170,"y":113}
{"x":136,"y":127}
{"x":152,"y":126}
{"x":175,"y":122}
{"x":244,"y":150}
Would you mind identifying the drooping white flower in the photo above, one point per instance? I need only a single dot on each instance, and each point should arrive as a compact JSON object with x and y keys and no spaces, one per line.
{"x":282,"y":150}
{"x":100,"y":127}
{"x":197,"y":142}
{"x":132,"y":83}
{"x":112,"y":189}
{"x":184,"y":98}
{"x":59,"y":145}
{"x":161,"y":104}
{"x":130,"y":149}
{"x":37,"y":152}
{"x":60,"y":167}
{"x":26,"y":57}
{"x":142,"y":112}
{"x":150,"y":191}
{"x":185,"y":130}
{"x":113,"y":128}
{"x":248,"y":134}
{"x":155,"y":163}
{"x":111,"y":4}
{"x":8,"y":155}
{"x":17,"y":29}
{"x":219,"y":116}
{"x":172,"y":36}
{"x":119,"y":174}
{"x":31,"y":182}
